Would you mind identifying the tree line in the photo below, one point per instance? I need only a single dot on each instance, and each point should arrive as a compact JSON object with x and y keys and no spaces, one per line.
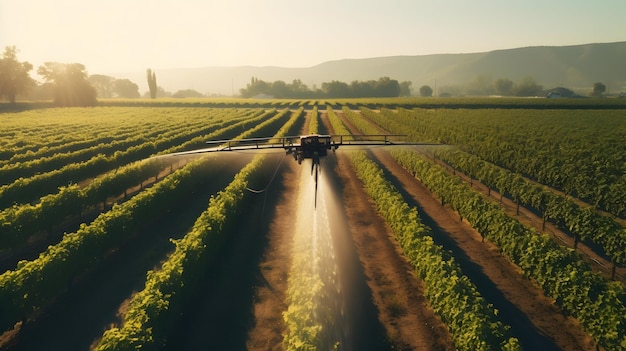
{"x":67,"y":84}
{"x":70,"y":85}
{"x":484,"y":85}
{"x":383,"y":87}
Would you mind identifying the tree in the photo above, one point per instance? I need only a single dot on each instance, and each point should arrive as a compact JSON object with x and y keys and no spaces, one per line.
{"x":42,"y":92}
{"x":598,"y":89}
{"x":386,"y":87}
{"x":481,"y":85}
{"x":103,"y":85}
{"x":426,"y":90}
{"x":503,"y":86}
{"x":298,"y":89}
{"x":70,"y":84}
{"x":405,"y":88}
{"x":362,"y":89}
{"x":279,"y":89}
{"x":527,"y":87}
{"x":383,"y":87}
{"x":125,"y":88}
{"x":256,"y":87}
{"x":187,"y":93}
{"x":14,"y":77}
{"x":336,"y":89}
{"x":161,"y":93}
{"x":152,"y":83}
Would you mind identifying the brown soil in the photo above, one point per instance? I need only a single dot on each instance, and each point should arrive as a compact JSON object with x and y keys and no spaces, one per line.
{"x":597,"y":261}
{"x":525,"y":296}
{"x":270,"y":299}
{"x":534,"y":318}
{"x":396,"y":292}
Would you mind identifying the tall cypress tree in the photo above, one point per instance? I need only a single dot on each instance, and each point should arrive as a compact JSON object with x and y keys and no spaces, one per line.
{"x":152,"y":84}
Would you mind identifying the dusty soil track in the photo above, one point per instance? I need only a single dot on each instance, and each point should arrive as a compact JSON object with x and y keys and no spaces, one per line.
{"x":598,"y":262}
{"x":403,"y":312}
{"x":533,"y":317}
{"x":221,"y":314}
{"x":398,"y":294}
{"x":270,"y":295}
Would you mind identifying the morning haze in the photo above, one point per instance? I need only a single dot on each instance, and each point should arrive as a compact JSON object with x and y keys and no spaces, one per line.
{"x":216,"y":47}
{"x":575,"y":67}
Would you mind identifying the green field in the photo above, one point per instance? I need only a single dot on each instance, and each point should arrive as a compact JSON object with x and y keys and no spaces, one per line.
{"x":80,"y":189}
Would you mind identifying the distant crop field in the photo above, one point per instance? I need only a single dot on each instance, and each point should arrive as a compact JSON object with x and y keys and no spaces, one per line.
{"x":86,"y":209}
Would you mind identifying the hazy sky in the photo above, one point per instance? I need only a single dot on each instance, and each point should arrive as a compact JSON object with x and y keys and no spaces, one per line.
{"x":132,"y":35}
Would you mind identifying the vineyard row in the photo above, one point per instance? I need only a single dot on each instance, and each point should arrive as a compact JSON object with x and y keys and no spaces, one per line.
{"x":558,"y":149}
{"x":597,"y":303}
{"x":583,"y":222}
{"x":26,"y":190}
{"x":472,"y":322}
{"x":153,"y":310}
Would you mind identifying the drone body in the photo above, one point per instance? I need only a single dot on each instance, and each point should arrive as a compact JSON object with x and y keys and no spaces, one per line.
{"x":313,"y":146}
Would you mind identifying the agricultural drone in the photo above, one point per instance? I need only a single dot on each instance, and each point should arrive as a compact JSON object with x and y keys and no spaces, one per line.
{"x":314,"y":146}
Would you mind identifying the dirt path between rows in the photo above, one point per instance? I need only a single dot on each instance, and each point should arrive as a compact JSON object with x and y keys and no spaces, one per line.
{"x":527,"y":303}
{"x":271,"y":296}
{"x":598,"y":262}
{"x":395,"y":290}
{"x":533,"y":317}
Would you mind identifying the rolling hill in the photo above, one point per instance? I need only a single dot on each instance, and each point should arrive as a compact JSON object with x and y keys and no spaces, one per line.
{"x":575,"y":67}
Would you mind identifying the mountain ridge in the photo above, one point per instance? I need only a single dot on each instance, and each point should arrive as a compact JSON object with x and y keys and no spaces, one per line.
{"x":576,"y":67}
